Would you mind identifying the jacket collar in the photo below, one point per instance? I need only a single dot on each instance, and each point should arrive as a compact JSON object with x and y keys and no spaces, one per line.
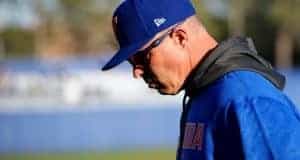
{"x":233,"y":54}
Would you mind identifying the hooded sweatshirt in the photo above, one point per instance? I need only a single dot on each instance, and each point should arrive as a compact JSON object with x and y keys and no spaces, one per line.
{"x":234,"y":108}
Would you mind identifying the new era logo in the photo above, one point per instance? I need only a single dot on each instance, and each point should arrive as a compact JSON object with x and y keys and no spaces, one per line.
{"x":193,"y":136}
{"x":159,"y":21}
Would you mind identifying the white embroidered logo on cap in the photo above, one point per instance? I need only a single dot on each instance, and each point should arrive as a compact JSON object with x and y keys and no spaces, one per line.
{"x":159,"y":21}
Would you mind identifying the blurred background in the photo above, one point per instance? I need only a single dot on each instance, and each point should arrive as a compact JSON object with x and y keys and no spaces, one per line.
{"x":55,"y":103}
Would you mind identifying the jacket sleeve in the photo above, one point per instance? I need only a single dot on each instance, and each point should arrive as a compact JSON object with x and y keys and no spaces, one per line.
{"x":268,"y":128}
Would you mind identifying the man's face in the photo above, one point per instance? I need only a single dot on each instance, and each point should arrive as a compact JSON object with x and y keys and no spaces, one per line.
{"x":162,"y":63}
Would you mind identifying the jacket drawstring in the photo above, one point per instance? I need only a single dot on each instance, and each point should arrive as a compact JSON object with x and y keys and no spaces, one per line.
{"x":182,"y":125}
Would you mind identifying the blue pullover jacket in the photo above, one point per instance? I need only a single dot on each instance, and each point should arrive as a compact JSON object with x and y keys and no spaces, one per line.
{"x":236,"y":109}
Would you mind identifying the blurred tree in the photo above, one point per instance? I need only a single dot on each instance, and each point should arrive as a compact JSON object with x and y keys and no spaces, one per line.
{"x":238,"y":10}
{"x":260,"y":27}
{"x":217,"y":26}
{"x":2,"y":49}
{"x":16,"y":42}
{"x":75,"y":27}
{"x":286,"y":15}
{"x":244,"y":18}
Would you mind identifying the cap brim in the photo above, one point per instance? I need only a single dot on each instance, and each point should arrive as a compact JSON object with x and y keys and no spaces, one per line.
{"x":123,"y":54}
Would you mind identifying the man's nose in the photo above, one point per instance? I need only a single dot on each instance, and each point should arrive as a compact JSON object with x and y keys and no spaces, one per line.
{"x":138,"y":71}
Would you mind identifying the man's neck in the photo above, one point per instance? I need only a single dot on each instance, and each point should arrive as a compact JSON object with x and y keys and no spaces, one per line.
{"x":201,"y":48}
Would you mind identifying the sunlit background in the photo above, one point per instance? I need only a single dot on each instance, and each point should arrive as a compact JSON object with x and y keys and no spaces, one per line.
{"x":55,"y":103}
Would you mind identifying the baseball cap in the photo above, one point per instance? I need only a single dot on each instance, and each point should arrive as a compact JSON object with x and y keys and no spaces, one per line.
{"x":136,"y":22}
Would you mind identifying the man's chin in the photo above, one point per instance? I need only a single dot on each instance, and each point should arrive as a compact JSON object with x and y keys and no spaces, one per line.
{"x":164,"y":91}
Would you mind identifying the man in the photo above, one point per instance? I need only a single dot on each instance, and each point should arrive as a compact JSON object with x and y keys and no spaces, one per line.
{"x":233,"y":107}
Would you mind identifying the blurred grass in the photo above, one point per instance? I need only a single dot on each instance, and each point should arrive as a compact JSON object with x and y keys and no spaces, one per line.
{"x":157,"y":154}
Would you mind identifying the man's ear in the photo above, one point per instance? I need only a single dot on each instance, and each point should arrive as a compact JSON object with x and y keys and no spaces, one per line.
{"x":180,"y":37}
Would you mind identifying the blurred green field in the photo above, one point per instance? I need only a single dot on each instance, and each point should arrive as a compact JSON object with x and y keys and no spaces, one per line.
{"x":157,"y":154}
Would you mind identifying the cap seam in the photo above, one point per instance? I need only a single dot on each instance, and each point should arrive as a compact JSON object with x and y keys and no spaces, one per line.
{"x":140,"y":17}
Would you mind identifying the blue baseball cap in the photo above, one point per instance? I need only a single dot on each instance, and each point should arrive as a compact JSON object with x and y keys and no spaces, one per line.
{"x":136,"y":22}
